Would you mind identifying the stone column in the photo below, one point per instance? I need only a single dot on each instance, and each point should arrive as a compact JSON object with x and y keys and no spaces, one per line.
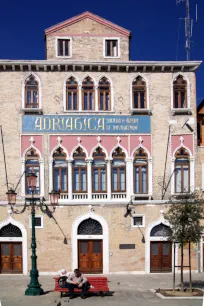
{"x":96,"y":97}
{"x":89,"y":177}
{"x":80,"y":98}
{"x":129,"y":177}
{"x":42,"y":178}
{"x":70,"y":161}
{"x":109,"y":161}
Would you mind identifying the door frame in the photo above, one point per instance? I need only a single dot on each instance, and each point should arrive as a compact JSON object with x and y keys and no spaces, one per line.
{"x":148,"y":240}
{"x":101,"y":253}
{"x":22,"y":239}
{"x":104,"y":238}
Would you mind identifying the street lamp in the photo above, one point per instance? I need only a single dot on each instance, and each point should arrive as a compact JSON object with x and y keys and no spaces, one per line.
{"x":34,"y":288}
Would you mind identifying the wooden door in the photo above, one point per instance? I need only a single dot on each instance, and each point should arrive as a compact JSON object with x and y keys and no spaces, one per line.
{"x":160,"y":257}
{"x":11,"y":257}
{"x":90,"y":256}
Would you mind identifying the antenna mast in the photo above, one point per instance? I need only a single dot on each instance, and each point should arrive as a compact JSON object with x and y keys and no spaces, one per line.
{"x":188,"y":28}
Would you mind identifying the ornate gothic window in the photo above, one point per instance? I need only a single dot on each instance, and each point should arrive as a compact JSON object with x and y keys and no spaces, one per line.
{"x":31,"y":93}
{"x":99,"y":171}
{"x":90,"y":227}
{"x":180,"y":92}
{"x":88,"y":97}
{"x":79,"y":171}
{"x":104,"y":95}
{"x":60,"y":172}
{"x":139,"y":93}
{"x":10,"y":230}
{"x":32,"y":165}
{"x":72,"y":94}
{"x":161,"y":230}
{"x":118,"y":171}
{"x":182,"y":171}
{"x":140,"y":172}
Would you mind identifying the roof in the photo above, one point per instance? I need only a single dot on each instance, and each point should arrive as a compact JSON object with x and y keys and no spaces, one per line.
{"x":82,"y":16}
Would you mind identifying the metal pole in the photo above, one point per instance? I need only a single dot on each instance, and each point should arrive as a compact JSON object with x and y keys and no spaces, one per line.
{"x":174,"y":276}
{"x":34,"y":288}
{"x":189,"y":255}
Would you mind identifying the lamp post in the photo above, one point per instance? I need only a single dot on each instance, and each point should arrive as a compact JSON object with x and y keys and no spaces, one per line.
{"x":34,"y":288}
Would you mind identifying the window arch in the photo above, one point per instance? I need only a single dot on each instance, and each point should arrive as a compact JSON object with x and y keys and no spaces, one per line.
{"x":60,"y":171}
{"x":180,"y":92}
{"x":182,"y":171}
{"x":139,"y":93}
{"x":90,"y":227}
{"x":10,"y":230}
{"x":140,"y":166}
{"x":88,"y":95}
{"x":104,"y":95}
{"x":99,"y":173}
{"x":79,"y":171}
{"x":118,"y":171}
{"x":32,"y":165}
{"x":160,"y":230}
{"x":31,"y":92}
{"x":72,"y":94}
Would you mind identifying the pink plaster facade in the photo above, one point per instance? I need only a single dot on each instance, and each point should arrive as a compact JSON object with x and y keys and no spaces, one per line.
{"x":26,"y":143}
{"x":187,"y":142}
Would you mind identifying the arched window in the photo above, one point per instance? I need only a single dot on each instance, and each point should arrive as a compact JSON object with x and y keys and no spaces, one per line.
{"x":79,"y":171}
{"x":140,"y":172}
{"x":10,"y":230}
{"x":88,"y":97}
{"x":32,"y":165}
{"x":118,"y":171}
{"x":31,"y":93}
{"x":104,"y":95}
{"x":139,"y":93}
{"x":90,"y":227}
{"x":60,"y":172}
{"x":182,"y":171}
{"x":99,"y":171}
{"x":180,"y":92}
{"x":72,"y":94}
{"x":160,"y":230}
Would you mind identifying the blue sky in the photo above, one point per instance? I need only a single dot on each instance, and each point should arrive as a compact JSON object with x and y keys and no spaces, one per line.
{"x":154,"y":25}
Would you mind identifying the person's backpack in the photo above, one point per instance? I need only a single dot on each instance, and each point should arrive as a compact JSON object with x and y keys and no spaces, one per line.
{"x":62,"y":281}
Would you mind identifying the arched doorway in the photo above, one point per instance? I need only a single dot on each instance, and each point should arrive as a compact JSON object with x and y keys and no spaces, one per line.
{"x":13,"y":247}
{"x":160,"y":251}
{"x":90,"y":247}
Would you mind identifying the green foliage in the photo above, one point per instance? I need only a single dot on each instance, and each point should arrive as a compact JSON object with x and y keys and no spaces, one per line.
{"x":184,"y":216}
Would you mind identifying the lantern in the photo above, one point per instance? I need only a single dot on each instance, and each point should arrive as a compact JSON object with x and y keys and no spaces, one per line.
{"x":11,"y":194}
{"x":31,"y":180}
{"x":54,"y":197}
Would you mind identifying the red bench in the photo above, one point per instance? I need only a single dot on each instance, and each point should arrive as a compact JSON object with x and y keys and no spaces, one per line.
{"x":98,"y":284}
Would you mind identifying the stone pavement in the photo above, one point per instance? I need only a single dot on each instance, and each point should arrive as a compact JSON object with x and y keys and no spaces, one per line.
{"x":127,"y":290}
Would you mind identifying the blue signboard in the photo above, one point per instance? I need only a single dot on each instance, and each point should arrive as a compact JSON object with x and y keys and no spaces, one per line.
{"x":86,"y":124}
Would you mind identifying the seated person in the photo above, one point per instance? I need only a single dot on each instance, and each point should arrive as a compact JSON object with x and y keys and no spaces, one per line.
{"x":77,"y":280}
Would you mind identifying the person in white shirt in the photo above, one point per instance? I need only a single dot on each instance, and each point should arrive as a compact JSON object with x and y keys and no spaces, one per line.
{"x":77,"y":280}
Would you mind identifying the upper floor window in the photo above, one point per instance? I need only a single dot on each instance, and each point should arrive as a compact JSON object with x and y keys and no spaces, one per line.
{"x":99,"y":171}
{"x":88,"y":94}
{"x":139,"y":93}
{"x":60,"y":171}
{"x":72,"y":94}
{"x":31,"y":93}
{"x":104,"y":95}
{"x":118,"y":171}
{"x":180,"y":92}
{"x":32,"y":165}
{"x":63,"y":47}
{"x":140,"y":172}
{"x":111,"y":48}
{"x":79,"y":171}
{"x":182,"y":171}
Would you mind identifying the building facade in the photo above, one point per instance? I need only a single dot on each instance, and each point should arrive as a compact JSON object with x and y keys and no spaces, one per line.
{"x":105,"y":131}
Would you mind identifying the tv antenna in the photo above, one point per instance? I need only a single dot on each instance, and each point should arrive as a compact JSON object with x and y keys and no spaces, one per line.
{"x":188,"y":27}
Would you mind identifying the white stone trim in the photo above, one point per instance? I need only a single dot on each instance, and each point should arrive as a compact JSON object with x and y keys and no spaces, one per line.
{"x":147,"y":91}
{"x":70,"y":46}
{"x":118,"y":145}
{"x":39,"y":91}
{"x":104,"y":237}
{"x":191,"y":166}
{"x":37,"y":216}
{"x":148,"y":240}
{"x":79,"y":146}
{"x":188,"y":91}
{"x":104,"y":47}
{"x":41,"y":168}
{"x":111,"y":91}
{"x":22,"y":239}
{"x":138,"y":215}
{"x":98,"y":145}
{"x":202,"y":176}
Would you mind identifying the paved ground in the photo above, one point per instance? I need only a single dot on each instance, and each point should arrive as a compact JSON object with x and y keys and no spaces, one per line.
{"x":127,"y":290}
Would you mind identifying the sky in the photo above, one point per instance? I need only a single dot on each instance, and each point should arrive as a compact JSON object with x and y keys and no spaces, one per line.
{"x":157,"y":29}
